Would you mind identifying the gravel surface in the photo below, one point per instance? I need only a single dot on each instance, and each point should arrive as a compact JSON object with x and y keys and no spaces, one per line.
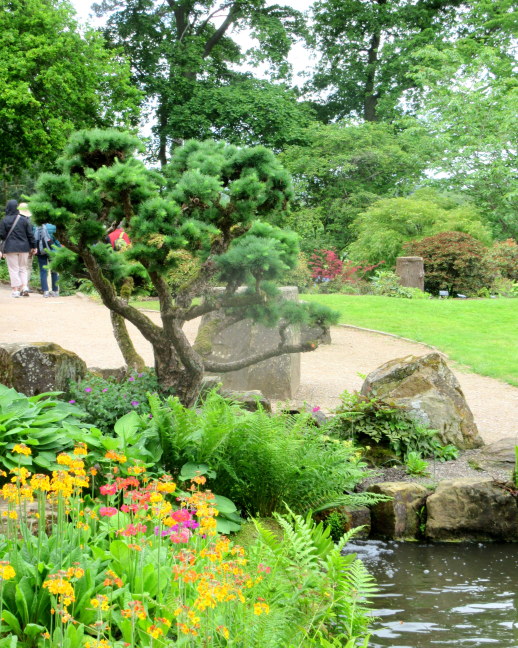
{"x":83,"y":326}
{"x":466,"y":466}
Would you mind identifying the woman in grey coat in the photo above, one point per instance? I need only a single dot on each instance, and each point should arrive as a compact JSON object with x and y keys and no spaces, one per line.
{"x":19,"y":242}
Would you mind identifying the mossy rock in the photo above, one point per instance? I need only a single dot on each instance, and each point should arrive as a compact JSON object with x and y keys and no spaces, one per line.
{"x":39,"y":367}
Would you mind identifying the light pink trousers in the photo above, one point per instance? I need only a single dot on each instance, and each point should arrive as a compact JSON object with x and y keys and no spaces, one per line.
{"x":17,"y":266}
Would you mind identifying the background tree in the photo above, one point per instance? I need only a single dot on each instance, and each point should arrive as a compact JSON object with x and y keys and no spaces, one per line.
{"x":470,"y":107}
{"x":205,"y":202}
{"x":185,"y":60}
{"x":53,"y":80}
{"x":343,"y":168}
{"x":367,"y":47}
{"x":386,"y":225}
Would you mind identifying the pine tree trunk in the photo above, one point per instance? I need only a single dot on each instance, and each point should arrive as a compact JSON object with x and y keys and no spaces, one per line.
{"x":172,"y":377}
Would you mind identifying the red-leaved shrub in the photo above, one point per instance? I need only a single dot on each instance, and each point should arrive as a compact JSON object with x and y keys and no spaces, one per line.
{"x":502,"y":258}
{"x":324,"y":265}
{"x":453,"y":261}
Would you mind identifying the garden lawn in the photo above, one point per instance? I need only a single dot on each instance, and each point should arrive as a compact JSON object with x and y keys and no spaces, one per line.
{"x":481,"y":334}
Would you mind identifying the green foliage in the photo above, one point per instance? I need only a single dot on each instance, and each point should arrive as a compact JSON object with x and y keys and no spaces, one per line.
{"x":56,"y":78}
{"x":388,"y":284}
{"x":206,"y":204}
{"x":369,"y":420}
{"x":90,"y":573}
{"x":453,"y":261}
{"x":389,"y":223}
{"x":416,"y":465}
{"x":192,"y":84}
{"x":470,"y":107}
{"x":300,"y":275}
{"x":43,"y":424}
{"x":367,"y":48}
{"x":446,"y":453}
{"x":504,"y":287}
{"x":105,"y":400}
{"x":306,"y":554}
{"x":261,"y":462}
{"x":342,"y":169}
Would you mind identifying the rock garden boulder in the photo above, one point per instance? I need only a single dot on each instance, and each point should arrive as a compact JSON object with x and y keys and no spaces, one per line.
{"x":473,"y":510}
{"x":39,"y":367}
{"x":429,"y":391}
{"x":400,"y":518}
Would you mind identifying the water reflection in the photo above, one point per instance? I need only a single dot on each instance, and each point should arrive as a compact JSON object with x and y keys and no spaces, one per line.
{"x":436,"y":595}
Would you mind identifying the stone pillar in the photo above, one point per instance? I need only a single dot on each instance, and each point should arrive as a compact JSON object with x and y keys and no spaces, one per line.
{"x":410,"y":271}
{"x":278,"y":377}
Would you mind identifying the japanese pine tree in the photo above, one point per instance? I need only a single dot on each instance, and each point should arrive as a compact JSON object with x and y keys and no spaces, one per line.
{"x":218,"y":203}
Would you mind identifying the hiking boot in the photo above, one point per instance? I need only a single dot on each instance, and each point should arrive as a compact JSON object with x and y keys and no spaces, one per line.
{"x":46,"y":294}
{"x":54,"y":293}
{"x":25,"y":292}
{"x":15,"y":293}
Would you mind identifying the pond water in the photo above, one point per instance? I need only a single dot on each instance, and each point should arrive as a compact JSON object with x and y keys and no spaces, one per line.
{"x":442,"y":594}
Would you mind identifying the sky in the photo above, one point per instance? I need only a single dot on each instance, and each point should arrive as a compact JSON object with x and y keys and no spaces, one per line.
{"x":83,"y":6}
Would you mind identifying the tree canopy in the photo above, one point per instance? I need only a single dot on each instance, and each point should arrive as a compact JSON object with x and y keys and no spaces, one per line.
{"x":184,"y":57}
{"x":343,"y":168}
{"x":207,"y":201}
{"x":367,"y":49}
{"x":387,"y":224}
{"x":53,"y":80}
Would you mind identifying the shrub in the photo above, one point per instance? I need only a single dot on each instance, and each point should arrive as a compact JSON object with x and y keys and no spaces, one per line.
{"x":453,"y":261}
{"x":261,"y":462}
{"x":504,"y":287}
{"x":502,"y":259}
{"x":324,"y":265}
{"x":40,"y":423}
{"x":105,"y":399}
{"x":301,"y":275}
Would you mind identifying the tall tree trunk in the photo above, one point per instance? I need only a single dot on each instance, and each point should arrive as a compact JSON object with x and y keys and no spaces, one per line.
{"x":162,"y":133}
{"x":370,"y":99}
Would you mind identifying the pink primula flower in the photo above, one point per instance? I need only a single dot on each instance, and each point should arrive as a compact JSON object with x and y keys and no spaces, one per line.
{"x":108,"y":511}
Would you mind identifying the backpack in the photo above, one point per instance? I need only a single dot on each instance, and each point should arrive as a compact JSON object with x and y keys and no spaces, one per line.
{"x":43,"y":240}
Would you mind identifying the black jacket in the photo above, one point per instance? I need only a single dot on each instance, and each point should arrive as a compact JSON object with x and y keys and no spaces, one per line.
{"x":21,"y":239}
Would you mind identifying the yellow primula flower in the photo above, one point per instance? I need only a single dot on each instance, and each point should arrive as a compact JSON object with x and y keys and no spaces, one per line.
{"x":21,"y":448}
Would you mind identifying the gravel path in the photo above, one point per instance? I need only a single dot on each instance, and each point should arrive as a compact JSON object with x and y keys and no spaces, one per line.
{"x":83,"y":326}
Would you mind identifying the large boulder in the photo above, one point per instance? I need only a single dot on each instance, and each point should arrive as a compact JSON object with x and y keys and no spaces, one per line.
{"x":39,"y":367}
{"x":219,"y":338}
{"x":472,"y":510}
{"x":400,"y":517}
{"x":429,"y":391}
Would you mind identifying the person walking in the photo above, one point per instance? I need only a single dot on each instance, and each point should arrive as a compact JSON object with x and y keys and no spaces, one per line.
{"x":45,"y":238}
{"x":23,"y":209}
{"x":16,"y":233}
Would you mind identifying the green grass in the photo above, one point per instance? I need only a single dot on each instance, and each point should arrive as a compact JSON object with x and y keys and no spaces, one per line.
{"x":150,"y":305}
{"x":481,"y":334}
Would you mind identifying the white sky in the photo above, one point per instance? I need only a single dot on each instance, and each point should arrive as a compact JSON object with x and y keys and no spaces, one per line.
{"x":83,"y":6}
